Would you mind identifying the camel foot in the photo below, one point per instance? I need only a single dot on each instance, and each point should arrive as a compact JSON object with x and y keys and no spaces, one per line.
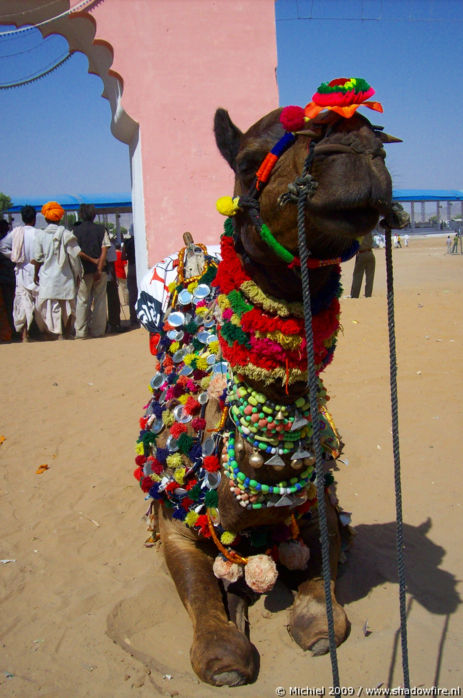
{"x":308,"y":624}
{"x":223,"y":656}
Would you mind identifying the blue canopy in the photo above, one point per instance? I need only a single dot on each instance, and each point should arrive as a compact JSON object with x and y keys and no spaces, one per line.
{"x":104,"y":203}
{"x":122,"y":202}
{"x":427,"y":195}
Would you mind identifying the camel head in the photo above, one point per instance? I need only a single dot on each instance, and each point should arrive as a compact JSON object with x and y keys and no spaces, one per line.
{"x":351,"y":186}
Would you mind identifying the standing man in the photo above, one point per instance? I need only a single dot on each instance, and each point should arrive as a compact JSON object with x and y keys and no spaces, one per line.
{"x":57,"y":271}
{"x":365,"y":263}
{"x":27,"y":291}
{"x":128,"y":254}
{"x":91,"y":295}
{"x":7,"y":284}
{"x":114,"y":303}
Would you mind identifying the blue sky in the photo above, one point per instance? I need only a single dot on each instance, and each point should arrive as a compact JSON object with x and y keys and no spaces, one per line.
{"x":55,"y":133}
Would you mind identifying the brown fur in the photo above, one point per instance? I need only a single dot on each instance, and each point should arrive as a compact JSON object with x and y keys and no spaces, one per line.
{"x":354,"y":188}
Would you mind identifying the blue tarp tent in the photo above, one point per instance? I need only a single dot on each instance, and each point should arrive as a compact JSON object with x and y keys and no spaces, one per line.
{"x":104,"y":203}
{"x":427,"y":195}
{"x":122,"y":202}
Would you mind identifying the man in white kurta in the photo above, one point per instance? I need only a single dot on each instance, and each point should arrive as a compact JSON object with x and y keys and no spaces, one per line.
{"x":57,"y":263}
{"x":25,"y":300}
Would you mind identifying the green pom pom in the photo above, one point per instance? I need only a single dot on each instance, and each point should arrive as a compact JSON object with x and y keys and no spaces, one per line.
{"x":211,"y":499}
{"x":191,"y":327}
{"x":195,"y":493}
{"x":185,"y":443}
{"x":148,"y":438}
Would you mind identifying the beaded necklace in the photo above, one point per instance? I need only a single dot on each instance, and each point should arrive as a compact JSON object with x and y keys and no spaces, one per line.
{"x":253,"y":494}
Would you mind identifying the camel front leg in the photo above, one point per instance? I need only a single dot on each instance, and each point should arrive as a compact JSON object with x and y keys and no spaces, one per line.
{"x":220,"y":654}
{"x":308,"y":622}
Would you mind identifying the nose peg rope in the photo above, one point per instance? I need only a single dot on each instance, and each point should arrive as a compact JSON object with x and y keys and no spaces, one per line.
{"x":396,"y":452}
{"x":312,"y":385}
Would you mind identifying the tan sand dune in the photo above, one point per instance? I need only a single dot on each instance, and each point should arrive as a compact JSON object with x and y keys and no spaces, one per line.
{"x":79,"y":591}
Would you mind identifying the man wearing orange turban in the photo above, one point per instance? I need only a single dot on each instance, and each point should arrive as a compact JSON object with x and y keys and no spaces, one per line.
{"x":57,"y":258}
{"x":52,"y":212}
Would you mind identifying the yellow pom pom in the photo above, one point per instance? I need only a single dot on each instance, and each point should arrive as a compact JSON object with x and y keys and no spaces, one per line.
{"x":190,"y":518}
{"x":174,"y":460}
{"x":227,"y":537}
{"x":201,"y":364}
{"x":168,"y":418}
{"x":179,"y":475}
{"x":228,"y":206}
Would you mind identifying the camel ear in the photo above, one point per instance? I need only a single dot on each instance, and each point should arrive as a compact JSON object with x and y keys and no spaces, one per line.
{"x":386,"y":138}
{"x":227,"y":136}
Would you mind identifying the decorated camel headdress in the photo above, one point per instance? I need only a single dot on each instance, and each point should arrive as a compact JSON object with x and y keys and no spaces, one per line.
{"x":342,"y":95}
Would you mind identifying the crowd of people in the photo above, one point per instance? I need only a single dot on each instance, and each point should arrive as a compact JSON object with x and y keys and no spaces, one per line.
{"x":64,"y":284}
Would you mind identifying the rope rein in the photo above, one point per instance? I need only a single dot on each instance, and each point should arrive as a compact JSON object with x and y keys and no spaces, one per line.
{"x":396,"y":452}
{"x":312,"y":386}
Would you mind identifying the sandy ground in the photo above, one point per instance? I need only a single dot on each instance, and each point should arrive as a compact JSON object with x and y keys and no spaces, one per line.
{"x":87,"y":610}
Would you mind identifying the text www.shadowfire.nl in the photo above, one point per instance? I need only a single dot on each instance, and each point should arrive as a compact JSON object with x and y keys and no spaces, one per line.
{"x":365,"y":691}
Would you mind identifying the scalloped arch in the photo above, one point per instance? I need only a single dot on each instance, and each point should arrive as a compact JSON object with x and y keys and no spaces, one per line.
{"x":79,"y":30}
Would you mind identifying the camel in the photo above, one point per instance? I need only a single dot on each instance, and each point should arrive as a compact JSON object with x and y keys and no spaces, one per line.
{"x":225,"y":453}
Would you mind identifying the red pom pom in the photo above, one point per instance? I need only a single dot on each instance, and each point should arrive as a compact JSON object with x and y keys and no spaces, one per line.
{"x":156,"y":466}
{"x":140,"y":460}
{"x":203,"y":526}
{"x":190,"y":484}
{"x":192,"y":406}
{"x":177,"y":429}
{"x":138,"y":473}
{"x":198,"y":424}
{"x":143,"y":421}
{"x":186,"y":503}
{"x":154,"y":341}
{"x":292,"y":118}
{"x":146,"y":484}
{"x":211,"y":463}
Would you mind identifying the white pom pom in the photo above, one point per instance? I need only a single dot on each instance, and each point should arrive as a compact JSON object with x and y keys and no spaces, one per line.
{"x":226,"y":570}
{"x":294,"y":555}
{"x":260,"y":573}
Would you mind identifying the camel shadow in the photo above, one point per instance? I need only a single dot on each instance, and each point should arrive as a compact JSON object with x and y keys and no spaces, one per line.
{"x":372,"y":560}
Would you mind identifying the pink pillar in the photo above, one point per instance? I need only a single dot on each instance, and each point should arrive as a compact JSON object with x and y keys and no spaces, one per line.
{"x":180,"y":61}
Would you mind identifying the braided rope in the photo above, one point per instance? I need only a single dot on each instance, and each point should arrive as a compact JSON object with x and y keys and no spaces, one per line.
{"x":395,"y":445}
{"x":312,"y":385}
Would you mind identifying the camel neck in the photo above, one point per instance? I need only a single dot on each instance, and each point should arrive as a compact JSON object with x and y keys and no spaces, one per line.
{"x":262,"y":337}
